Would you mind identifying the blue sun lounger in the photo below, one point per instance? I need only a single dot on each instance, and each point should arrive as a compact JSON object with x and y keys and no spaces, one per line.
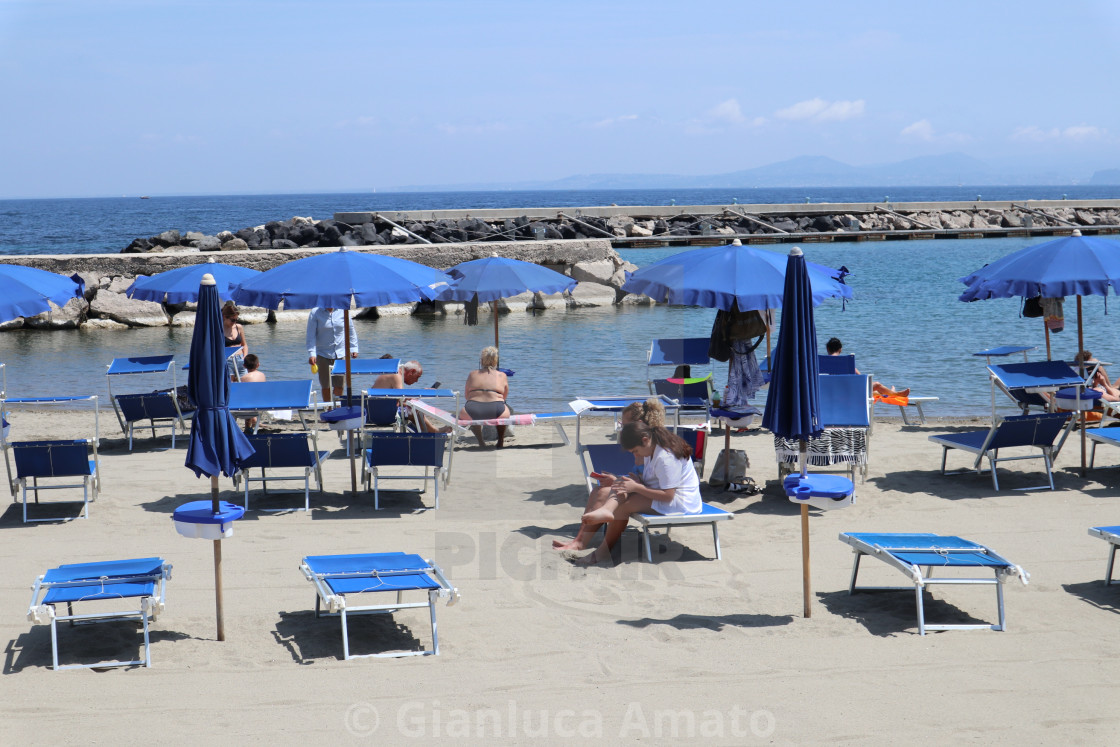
{"x":687,"y":351}
{"x":1025,"y":383}
{"x":425,"y":450}
{"x":845,"y":443}
{"x":611,"y":406}
{"x":142,"y":579}
{"x":339,"y":579}
{"x":254,"y":399}
{"x":160,"y":408}
{"x":1111,"y":535}
{"x":1018,"y":431}
{"x":910,"y":553}
{"x":286,"y":451}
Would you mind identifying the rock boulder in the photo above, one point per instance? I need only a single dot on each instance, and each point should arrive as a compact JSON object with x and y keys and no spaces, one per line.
{"x":115,"y":306}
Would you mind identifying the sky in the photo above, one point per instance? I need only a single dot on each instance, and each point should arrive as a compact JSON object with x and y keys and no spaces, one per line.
{"x":182,"y":97}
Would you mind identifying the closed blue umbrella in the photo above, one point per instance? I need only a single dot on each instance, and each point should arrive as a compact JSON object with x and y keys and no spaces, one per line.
{"x":491,"y":278}
{"x":793,"y":403}
{"x":1074,"y":265}
{"x":718,"y":277}
{"x":26,"y":291}
{"x":217,"y":445}
{"x":336,"y":280}
{"x":181,"y":284}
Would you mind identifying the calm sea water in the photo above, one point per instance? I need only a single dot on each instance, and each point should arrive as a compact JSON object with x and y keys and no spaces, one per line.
{"x":905,"y":325}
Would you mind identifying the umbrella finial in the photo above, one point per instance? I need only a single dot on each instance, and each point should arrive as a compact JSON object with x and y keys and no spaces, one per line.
{"x":208,"y":279}
{"x":736,"y":242}
{"x":795,"y":251}
{"x":1076,"y":232}
{"x":493,"y":254}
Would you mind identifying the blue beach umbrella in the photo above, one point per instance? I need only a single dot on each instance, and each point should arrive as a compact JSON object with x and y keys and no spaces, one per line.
{"x":491,"y":278}
{"x":718,"y":277}
{"x":1074,"y":265}
{"x":181,"y":284}
{"x":26,"y":291}
{"x":793,"y":403}
{"x":216,"y":444}
{"x":338,"y":279}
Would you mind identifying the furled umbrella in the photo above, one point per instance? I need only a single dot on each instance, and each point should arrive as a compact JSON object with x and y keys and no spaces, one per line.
{"x":492,"y":278}
{"x":181,"y":285}
{"x":1074,"y":265}
{"x":793,"y":402}
{"x":338,"y":280}
{"x":217,"y":445}
{"x":29,"y":291}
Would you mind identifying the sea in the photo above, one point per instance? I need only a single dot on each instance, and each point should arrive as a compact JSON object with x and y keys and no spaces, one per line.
{"x":905,"y":324}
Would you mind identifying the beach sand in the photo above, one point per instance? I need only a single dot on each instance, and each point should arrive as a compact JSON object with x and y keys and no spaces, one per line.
{"x":538,"y":650}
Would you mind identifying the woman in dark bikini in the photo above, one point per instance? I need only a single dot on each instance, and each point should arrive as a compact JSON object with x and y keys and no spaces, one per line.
{"x":486,"y":391}
{"x":234,"y":334}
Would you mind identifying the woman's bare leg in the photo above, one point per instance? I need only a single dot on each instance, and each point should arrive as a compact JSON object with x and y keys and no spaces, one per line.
{"x":595,"y":501}
{"x":616,"y":525}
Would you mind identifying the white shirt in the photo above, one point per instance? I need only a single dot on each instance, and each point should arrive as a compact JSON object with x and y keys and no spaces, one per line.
{"x":662,"y":471}
{"x":326,"y":334}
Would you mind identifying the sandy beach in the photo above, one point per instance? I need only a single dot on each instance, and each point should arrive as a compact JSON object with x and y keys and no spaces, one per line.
{"x":687,"y":649}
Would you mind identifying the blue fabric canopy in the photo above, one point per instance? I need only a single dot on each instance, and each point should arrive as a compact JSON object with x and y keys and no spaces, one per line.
{"x":793,"y":403}
{"x":217,"y":444}
{"x":716,"y":277}
{"x":494,"y":277}
{"x":25,"y":291}
{"x":1070,"y":266}
{"x":334,"y":279}
{"x":181,"y":284}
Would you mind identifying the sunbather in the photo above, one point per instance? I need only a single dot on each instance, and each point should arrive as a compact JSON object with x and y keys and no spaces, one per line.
{"x":486,"y":391}
{"x":1110,"y":391}
{"x":835,"y":347}
{"x":668,"y":485}
{"x":406,"y":376}
{"x":252,"y":374}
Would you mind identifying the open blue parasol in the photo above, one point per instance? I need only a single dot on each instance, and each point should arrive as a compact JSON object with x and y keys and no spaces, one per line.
{"x":216,"y":446}
{"x":181,"y":285}
{"x":338,"y":280}
{"x":488,"y":279}
{"x":1074,"y":265}
{"x":793,"y":402}
{"x":27,"y":291}
{"x":718,"y":277}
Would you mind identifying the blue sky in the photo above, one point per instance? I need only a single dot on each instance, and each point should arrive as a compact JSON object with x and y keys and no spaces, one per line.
{"x":112,"y":97}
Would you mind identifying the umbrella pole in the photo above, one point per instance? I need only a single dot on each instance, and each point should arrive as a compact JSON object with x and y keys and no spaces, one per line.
{"x":217,"y":564}
{"x":349,"y":401}
{"x":727,"y":454}
{"x":1047,"y":331}
{"x":1081,"y":373}
{"x":806,"y":584}
{"x":494,"y":311}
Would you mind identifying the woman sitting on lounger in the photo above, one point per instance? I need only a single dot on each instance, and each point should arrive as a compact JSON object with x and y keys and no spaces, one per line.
{"x":668,"y":485}
{"x":486,"y":391}
{"x":1109,"y":392}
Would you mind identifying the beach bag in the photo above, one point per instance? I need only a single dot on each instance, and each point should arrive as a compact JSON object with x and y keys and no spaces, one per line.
{"x":746,"y":325}
{"x":1032,"y":307}
{"x":738,"y":469}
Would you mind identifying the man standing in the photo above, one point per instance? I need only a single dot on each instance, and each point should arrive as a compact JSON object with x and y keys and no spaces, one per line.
{"x":326,"y":343}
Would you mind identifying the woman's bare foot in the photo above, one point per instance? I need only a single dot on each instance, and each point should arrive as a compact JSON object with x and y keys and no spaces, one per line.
{"x":572,"y":544}
{"x":903,"y":393}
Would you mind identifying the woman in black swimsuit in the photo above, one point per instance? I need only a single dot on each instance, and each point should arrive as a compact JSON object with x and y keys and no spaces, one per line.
{"x":234,"y":334}
{"x":486,"y":390}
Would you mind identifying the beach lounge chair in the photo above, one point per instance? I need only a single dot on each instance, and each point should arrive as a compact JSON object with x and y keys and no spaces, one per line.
{"x":49,"y":460}
{"x":1019,"y":431}
{"x":161,"y":408}
{"x":257,"y":399}
{"x":1107,"y":436}
{"x":836,"y":364}
{"x":1111,"y":535}
{"x":461,"y":428}
{"x":142,"y":579}
{"x":283,"y":451}
{"x":339,"y":579}
{"x":612,"y":406}
{"x":613,"y":459}
{"x":910,"y":553}
{"x":846,"y":415}
{"x":1025,"y":383}
{"x":692,"y":396}
{"x":1004,"y":351}
{"x":426,"y":450}
{"x":676,"y":352}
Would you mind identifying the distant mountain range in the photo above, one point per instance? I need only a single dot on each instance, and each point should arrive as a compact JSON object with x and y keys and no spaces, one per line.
{"x":951,"y":169}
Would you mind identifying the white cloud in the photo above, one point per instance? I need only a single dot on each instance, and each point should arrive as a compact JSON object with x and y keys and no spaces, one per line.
{"x":726,"y":112}
{"x":615,"y":120}
{"x":819,"y":110}
{"x":923,"y":131}
{"x":1076,"y":133}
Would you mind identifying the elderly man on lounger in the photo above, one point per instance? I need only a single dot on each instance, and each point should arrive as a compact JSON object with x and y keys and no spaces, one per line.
{"x":406,"y":376}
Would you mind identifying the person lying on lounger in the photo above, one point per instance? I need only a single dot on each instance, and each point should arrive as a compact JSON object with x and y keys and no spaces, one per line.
{"x":668,"y":485}
{"x":486,"y":391}
{"x":252,"y":374}
{"x":407,"y":376}
{"x":835,"y":347}
{"x":1110,"y":392}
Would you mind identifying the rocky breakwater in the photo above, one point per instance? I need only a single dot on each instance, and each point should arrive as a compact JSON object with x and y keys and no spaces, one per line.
{"x":593,"y":263}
